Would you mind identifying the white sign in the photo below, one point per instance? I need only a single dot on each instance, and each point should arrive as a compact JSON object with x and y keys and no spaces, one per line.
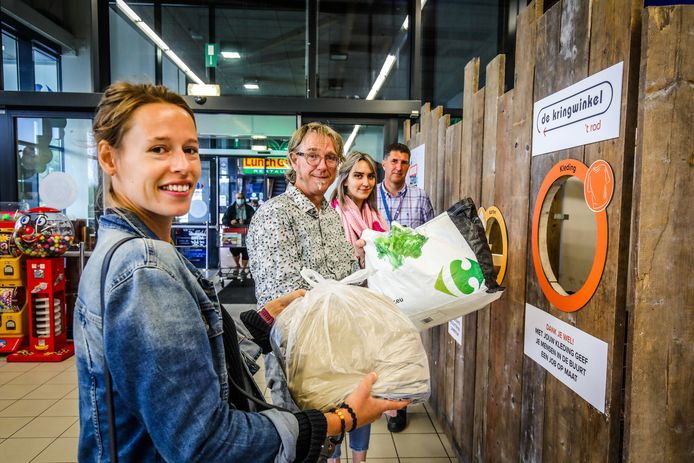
{"x":455,"y":329}
{"x":415,"y":174}
{"x":586,"y":112}
{"x":574,"y":357}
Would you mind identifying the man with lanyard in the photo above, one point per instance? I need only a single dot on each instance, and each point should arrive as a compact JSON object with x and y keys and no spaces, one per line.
{"x":406,"y":204}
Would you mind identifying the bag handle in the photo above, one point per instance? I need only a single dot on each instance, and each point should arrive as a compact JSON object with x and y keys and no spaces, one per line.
{"x":314,"y":278}
{"x":112,"y":445}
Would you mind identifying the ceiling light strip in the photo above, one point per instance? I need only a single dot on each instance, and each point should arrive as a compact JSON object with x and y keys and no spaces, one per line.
{"x":351,"y":138}
{"x":127,"y":11}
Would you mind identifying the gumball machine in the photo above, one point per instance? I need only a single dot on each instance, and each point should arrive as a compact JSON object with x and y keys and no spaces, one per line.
{"x":44,"y":235}
{"x":13,"y":301}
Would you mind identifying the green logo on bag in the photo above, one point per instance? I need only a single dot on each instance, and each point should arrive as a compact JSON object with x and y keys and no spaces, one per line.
{"x":461,"y":277}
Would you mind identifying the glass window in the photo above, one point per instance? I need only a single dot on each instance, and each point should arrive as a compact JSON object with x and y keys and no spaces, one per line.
{"x":185,"y":30}
{"x":454,"y":32}
{"x":172,"y":77}
{"x":10,"y":70}
{"x":270,"y":39}
{"x":46,"y":72}
{"x":355,"y":40}
{"x":53,"y":144}
{"x":132,"y":54}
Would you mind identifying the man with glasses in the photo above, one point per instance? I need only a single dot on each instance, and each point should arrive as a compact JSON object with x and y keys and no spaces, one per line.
{"x":299,"y":229}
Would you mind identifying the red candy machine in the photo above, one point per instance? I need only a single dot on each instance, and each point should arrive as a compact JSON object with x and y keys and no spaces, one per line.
{"x":44,"y":235}
{"x":14,"y":324}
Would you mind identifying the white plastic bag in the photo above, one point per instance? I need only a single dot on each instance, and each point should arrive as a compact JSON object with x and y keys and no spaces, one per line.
{"x":335,"y":335}
{"x":432,"y":273}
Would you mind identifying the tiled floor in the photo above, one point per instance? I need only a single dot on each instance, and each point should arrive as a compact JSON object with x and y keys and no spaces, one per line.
{"x":39,"y":420}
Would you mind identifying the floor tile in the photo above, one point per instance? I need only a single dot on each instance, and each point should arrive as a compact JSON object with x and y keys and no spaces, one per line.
{"x":10,"y":425}
{"x":382,"y":460}
{"x":24,"y":407}
{"x":46,"y":426}
{"x":19,"y":366}
{"x":4,"y":403}
{"x":50,"y":391}
{"x":437,"y":423}
{"x":9,"y":376}
{"x":15,"y":391}
{"x":418,"y":408}
{"x":381,"y":446}
{"x":36,"y":376}
{"x":425,"y":460}
{"x":72,"y":431}
{"x":61,"y":450}
{"x":447,"y":445}
{"x":66,"y":377}
{"x":75,"y":394}
{"x":419,"y":446}
{"x":380,"y":426}
{"x":63,"y":407}
{"x":418,"y":423}
{"x":22,"y":450}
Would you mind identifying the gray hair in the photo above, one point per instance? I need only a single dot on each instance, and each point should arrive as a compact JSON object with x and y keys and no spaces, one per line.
{"x":298,"y":137}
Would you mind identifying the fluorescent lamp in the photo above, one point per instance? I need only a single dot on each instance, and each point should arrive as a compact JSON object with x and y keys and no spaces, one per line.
{"x":204,"y":90}
{"x":406,"y":23}
{"x":351,"y":138}
{"x":127,"y":11}
{"x":231,"y":54}
{"x":251,"y":86}
{"x":258,"y":137}
{"x":259,"y":147}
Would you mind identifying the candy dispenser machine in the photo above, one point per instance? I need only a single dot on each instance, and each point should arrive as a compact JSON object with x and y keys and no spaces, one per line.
{"x":13,"y":302}
{"x":45,"y":235}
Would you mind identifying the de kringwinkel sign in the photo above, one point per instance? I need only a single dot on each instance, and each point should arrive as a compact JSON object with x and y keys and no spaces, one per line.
{"x":586,"y":112}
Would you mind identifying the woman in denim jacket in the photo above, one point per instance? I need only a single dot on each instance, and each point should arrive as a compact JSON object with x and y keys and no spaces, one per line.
{"x":161,"y":332}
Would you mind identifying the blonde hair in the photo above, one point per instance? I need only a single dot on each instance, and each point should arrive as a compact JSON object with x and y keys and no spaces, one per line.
{"x":345,"y":168}
{"x":113,"y":118}
{"x":298,"y":137}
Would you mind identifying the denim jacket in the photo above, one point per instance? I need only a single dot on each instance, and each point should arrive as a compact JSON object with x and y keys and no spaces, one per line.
{"x":163,"y":342}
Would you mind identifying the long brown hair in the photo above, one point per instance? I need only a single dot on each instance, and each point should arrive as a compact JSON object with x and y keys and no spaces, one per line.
{"x":345,"y":168}
{"x":113,"y":118}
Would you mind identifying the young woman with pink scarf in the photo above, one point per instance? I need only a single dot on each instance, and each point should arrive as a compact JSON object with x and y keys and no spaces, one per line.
{"x":355,"y":200}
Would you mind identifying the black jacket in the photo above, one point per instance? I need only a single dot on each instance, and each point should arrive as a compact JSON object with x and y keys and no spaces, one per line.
{"x":230,"y":214}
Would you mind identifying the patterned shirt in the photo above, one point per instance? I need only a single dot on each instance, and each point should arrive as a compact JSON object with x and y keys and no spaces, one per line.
{"x":410,"y":207}
{"x":288,"y":233}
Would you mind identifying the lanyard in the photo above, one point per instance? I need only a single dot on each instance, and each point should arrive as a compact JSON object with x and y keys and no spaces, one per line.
{"x":385,"y":205}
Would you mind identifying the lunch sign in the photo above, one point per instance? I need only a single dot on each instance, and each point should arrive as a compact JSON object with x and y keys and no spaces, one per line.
{"x":586,"y":112}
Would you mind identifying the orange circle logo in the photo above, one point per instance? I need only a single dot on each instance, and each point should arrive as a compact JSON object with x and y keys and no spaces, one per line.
{"x":598,"y":186}
{"x":561,"y":300}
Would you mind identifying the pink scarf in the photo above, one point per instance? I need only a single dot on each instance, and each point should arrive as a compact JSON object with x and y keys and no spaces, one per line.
{"x":355,"y":221}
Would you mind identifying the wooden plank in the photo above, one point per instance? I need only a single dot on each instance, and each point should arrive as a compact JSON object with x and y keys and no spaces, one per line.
{"x":406,"y":128}
{"x":465,"y":354}
{"x":432,"y":152}
{"x":533,"y":390}
{"x":494,"y":88}
{"x":442,"y":202}
{"x":470,"y":87}
{"x":613,"y":38}
{"x":452,"y":181}
{"x":452,"y":162}
{"x":659,"y":397}
{"x":506,"y":314}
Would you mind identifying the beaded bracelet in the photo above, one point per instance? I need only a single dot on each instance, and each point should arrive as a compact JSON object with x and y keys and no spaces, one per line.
{"x":351,"y":412}
{"x":340,"y":415}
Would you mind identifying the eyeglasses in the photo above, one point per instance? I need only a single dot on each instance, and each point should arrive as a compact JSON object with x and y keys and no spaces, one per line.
{"x":314,"y":159}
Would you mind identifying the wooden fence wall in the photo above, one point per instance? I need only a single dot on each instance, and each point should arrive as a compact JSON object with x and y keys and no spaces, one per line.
{"x":494,"y":403}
